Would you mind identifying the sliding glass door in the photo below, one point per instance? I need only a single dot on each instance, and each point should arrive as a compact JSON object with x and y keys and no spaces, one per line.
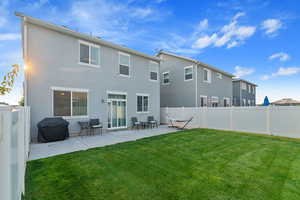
{"x":117,"y":111}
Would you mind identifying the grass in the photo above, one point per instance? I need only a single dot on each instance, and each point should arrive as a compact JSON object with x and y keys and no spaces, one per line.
{"x":194,"y":164}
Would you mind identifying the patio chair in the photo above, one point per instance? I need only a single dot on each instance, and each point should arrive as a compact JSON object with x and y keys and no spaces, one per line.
{"x":152,"y":122}
{"x":84,"y":126}
{"x":95,"y":124}
{"x":135,"y":123}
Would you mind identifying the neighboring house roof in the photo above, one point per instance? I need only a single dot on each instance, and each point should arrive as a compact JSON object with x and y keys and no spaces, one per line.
{"x":196,"y":61}
{"x":97,"y":40}
{"x":239,"y":79}
{"x":286,"y":101}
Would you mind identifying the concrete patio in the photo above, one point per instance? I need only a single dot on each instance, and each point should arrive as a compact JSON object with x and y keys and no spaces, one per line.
{"x":78,"y":143}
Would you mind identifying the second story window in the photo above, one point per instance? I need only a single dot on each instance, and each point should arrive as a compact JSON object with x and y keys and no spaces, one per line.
{"x":244,"y":86}
{"x":206,"y":75}
{"x":219,"y":76}
{"x":89,"y":54}
{"x":188,"y":73}
{"x":124,"y":64}
{"x":153,"y":69}
{"x":166,"y":78}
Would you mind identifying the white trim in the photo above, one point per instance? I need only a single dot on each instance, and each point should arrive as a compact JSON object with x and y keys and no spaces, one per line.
{"x":116,"y":92}
{"x":124,"y":100}
{"x":71,"y":90}
{"x":167,"y":72}
{"x":214,"y":97}
{"x":142,"y":95}
{"x":129,"y":70}
{"x":25,"y":45}
{"x":208,"y":75}
{"x":157,"y":71}
{"x":90,"y":51}
{"x":184,"y":74}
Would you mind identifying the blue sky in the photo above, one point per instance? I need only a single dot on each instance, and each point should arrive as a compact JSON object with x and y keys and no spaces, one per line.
{"x":257,"y":40}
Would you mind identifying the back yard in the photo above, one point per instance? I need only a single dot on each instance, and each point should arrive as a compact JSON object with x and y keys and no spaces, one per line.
{"x":193,"y":164}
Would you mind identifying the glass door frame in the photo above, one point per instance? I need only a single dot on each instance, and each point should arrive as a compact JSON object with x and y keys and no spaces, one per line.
{"x":109,"y":101}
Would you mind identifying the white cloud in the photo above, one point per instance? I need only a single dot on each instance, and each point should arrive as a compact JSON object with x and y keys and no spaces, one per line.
{"x":205,"y":41}
{"x":271,"y":26}
{"x":282,"y":71}
{"x":142,"y":12}
{"x":231,"y":35}
{"x":243,"y":71}
{"x":238,"y":15}
{"x":9,"y":36}
{"x":281,"y":56}
{"x":203,"y":25}
{"x":114,"y":21}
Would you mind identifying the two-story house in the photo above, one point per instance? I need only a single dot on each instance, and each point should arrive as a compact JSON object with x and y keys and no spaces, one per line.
{"x":244,"y":92}
{"x":77,"y":76}
{"x":186,"y":82}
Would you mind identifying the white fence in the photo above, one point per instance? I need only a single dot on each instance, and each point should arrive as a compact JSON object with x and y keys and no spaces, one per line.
{"x":280,"y":120}
{"x":14,"y":150}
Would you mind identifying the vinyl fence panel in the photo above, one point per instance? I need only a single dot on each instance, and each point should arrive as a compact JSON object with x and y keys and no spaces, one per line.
{"x":14,"y":150}
{"x":280,"y":121}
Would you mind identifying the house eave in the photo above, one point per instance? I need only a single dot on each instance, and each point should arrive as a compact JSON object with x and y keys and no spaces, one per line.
{"x":196,"y":62}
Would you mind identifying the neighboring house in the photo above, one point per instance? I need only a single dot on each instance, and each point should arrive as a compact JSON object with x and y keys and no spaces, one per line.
{"x":286,"y":102}
{"x":190,"y":83}
{"x":244,"y":93}
{"x":77,"y":77}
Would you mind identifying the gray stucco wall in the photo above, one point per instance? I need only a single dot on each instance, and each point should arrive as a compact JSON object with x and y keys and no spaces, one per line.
{"x":179,"y":92}
{"x":236,"y":88}
{"x":241,"y":94}
{"x":53,"y":59}
{"x":221,"y":88}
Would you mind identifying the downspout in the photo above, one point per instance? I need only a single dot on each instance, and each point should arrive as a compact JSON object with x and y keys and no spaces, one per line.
{"x":196,"y":77}
{"x":24,"y":37}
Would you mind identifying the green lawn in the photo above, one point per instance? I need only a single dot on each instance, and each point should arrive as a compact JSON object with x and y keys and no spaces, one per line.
{"x":195,"y":164}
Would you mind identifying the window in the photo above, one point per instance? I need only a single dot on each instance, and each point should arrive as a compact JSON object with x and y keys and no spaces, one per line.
{"x":166,"y":78}
{"x":153,"y":68}
{"x":244,"y":102}
{"x":89,"y":54}
{"x":142,"y":103}
{"x":249,"y":88}
{"x":207,"y":75}
{"x":244,"y":86}
{"x":219,"y":76}
{"x":249,"y":102}
{"x":253,"y":89}
{"x":124,"y":64}
{"x":214,"y":101}
{"x":188,"y":73}
{"x":69,"y":103}
{"x":226,"y":102}
{"x":203,"y":101}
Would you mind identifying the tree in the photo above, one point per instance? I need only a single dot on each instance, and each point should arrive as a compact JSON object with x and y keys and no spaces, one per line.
{"x":21,"y":102}
{"x":8,"y":80}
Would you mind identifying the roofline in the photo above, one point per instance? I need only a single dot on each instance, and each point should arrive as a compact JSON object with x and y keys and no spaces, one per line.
{"x":73,"y":33}
{"x":195,"y":61}
{"x":239,"y":79}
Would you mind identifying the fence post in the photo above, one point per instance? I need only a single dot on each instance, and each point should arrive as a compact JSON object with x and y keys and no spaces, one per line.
{"x":231,"y":118}
{"x":268,"y":119}
{"x":5,"y":153}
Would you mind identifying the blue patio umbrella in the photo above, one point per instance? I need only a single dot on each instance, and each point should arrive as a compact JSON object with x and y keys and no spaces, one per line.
{"x":266,"y":101}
